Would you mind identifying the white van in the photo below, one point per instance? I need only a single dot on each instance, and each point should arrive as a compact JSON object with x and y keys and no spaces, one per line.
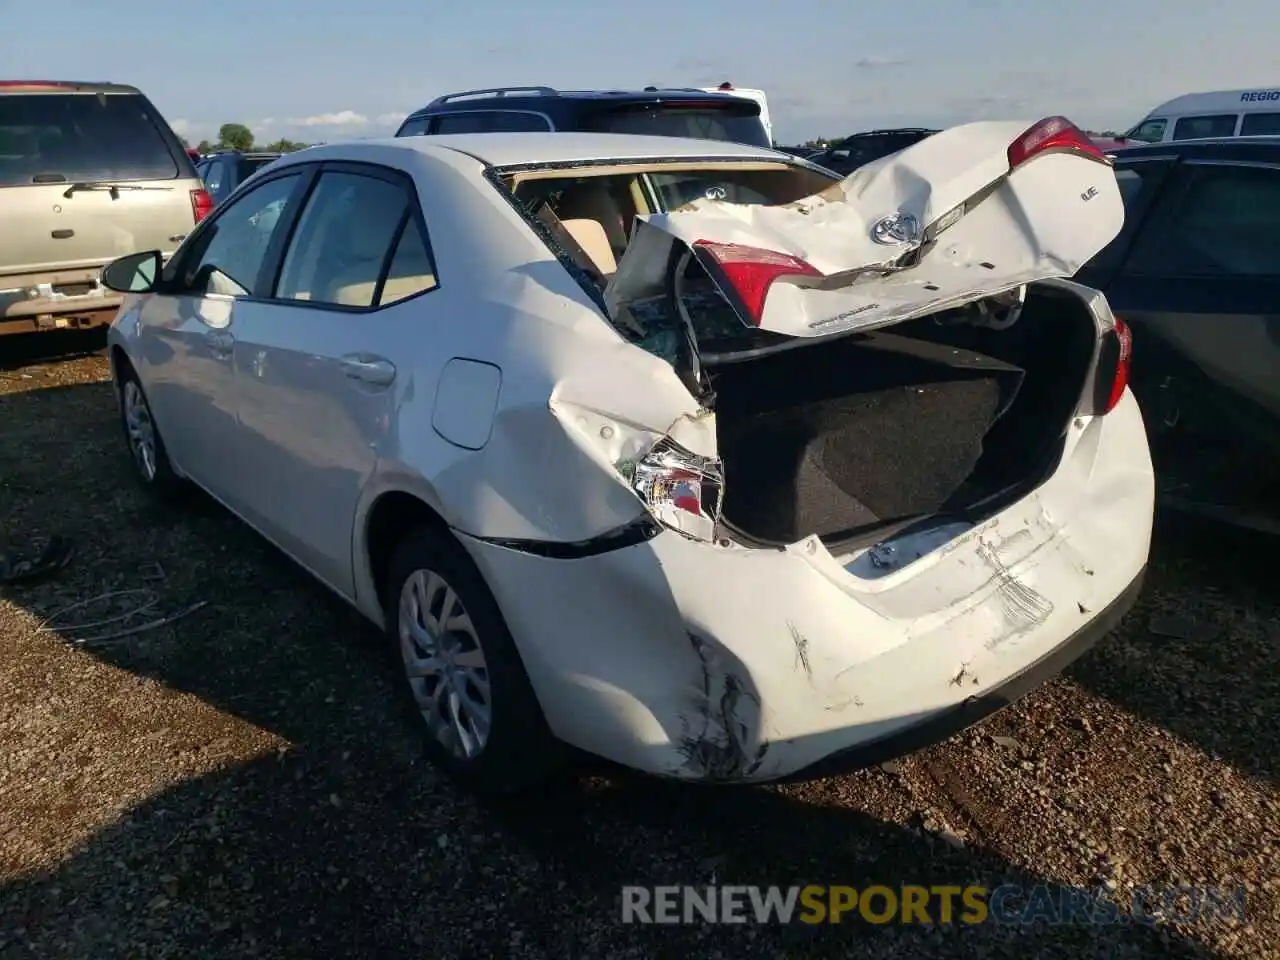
{"x":1222,"y":113}
{"x":756,"y":95}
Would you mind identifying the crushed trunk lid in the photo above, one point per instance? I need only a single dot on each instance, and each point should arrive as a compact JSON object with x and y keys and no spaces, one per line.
{"x":969,"y":213}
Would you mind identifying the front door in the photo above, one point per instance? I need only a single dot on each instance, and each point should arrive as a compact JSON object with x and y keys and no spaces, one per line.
{"x":317,"y":366}
{"x":187,"y":333}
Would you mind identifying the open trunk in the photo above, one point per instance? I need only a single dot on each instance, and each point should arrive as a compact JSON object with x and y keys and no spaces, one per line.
{"x":876,"y":430}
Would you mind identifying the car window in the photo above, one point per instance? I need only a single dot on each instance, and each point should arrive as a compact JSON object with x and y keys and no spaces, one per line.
{"x":1148,"y":131}
{"x":414,"y":127}
{"x":768,"y":187}
{"x":1223,"y":225}
{"x":248,"y":166}
{"x":412,"y":268}
{"x":342,"y":240}
{"x":1195,"y":128}
{"x":233,"y":248}
{"x":74,"y":137}
{"x":737,"y":123}
{"x":1139,"y":182}
{"x":216,"y":180}
{"x":472,"y":122}
{"x":1260,"y":125}
{"x":513,"y":121}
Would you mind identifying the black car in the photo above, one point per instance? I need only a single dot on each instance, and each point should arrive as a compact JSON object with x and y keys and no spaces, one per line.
{"x":1195,"y":272}
{"x":672,"y":113}
{"x":862,"y":148}
{"x":223,"y":172}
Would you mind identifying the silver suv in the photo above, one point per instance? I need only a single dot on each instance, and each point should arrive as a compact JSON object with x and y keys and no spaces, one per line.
{"x":88,"y":172}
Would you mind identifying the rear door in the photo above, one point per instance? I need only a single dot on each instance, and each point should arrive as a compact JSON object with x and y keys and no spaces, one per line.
{"x":316,"y":368}
{"x":1203,"y":276}
{"x":59,"y":152}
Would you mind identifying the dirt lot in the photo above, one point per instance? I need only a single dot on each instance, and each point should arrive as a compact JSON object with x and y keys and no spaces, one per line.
{"x":237,"y":783}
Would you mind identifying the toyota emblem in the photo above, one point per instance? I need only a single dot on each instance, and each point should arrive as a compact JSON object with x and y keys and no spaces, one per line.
{"x":896,"y":229}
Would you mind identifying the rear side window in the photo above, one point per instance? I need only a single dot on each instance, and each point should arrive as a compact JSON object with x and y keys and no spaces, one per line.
{"x":1148,"y":131}
{"x":414,"y":127}
{"x":513,"y":121}
{"x":1196,"y":128}
{"x":74,"y":137}
{"x":1139,"y":183}
{"x":1223,"y":226}
{"x":474,"y":122}
{"x":732,"y":123}
{"x":1260,"y":125}
{"x":351,"y":228}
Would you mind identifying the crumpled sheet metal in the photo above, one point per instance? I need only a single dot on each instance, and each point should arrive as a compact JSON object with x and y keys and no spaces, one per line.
{"x":1045,"y":219}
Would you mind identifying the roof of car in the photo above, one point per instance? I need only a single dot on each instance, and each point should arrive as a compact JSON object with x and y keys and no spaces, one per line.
{"x":508,"y":149}
{"x":1238,"y":147}
{"x":511,"y":96}
{"x":64,"y":86}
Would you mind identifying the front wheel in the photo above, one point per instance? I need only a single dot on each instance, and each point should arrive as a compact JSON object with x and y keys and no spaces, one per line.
{"x":146,"y":447}
{"x":465,"y":681}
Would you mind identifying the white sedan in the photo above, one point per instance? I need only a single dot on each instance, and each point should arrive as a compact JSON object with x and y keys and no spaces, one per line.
{"x":683,"y":453}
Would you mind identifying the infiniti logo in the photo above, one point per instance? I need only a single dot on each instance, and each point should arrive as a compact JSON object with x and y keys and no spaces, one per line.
{"x":716,"y":193}
{"x":897,"y":228}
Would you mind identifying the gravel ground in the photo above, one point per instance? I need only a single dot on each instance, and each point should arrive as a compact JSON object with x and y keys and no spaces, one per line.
{"x":237,"y":783}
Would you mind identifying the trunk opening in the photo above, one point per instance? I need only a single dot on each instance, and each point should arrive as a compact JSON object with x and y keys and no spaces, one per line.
{"x":875,"y":432}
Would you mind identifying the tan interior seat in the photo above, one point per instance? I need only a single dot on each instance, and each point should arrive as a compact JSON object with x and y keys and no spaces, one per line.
{"x":590,"y":235}
{"x":411,"y":272}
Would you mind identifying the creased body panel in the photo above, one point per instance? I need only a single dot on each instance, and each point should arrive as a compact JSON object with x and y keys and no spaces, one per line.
{"x":944,"y":222}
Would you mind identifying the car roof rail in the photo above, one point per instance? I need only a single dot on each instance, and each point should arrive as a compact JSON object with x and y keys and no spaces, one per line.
{"x":495,"y":92}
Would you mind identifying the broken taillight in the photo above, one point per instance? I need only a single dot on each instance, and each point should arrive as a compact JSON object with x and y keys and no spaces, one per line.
{"x":1112,"y":376}
{"x":1056,"y":134}
{"x":749,"y":271}
{"x":682,"y":490}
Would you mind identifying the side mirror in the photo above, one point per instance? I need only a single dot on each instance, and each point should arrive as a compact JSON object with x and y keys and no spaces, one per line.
{"x":136,"y":273}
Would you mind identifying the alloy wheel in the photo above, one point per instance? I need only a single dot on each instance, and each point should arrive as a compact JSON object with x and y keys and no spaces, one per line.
{"x":444,"y":664}
{"x":140,"y":429}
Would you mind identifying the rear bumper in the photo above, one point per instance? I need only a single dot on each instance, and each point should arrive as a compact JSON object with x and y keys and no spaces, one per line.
{"x":64,"y":300}
{"x":723,"y":664}
{"x":975,"y":709}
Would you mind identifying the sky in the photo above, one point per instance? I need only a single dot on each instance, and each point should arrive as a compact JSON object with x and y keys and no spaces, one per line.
{"x":334,"y":69}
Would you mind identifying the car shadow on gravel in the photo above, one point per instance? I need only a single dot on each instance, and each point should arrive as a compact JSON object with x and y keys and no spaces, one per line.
{"x":23,"y":349}
{"x":313,"y":853}
{"x":342,"y":841}
{"x":1200,"y":653}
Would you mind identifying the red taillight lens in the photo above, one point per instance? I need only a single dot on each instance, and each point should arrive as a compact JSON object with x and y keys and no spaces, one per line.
{"x":1053,"y":134}
{"x":1113,"y":368}
{"x":201,"y":204}
{"x":750,"y":271}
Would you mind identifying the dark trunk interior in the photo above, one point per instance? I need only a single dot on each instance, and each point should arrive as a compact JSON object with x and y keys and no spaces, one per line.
{"x":858,"y":433}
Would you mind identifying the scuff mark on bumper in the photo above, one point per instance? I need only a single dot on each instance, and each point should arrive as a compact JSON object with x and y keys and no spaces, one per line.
{"x":716,"y":741}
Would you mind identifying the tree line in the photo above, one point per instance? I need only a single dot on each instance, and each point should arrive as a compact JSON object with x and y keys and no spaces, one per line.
{"x":236,"y":136}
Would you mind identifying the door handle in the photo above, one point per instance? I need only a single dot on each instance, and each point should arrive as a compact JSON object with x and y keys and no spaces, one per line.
{"x":372,"y":370}
{"x":220,"y":342}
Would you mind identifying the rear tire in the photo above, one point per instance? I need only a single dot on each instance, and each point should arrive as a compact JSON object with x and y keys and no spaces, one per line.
{"x":151,"y":466}
{"x":463,"y":679}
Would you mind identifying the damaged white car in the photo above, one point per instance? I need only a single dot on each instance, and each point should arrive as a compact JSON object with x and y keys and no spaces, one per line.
{"x":682,"y":453}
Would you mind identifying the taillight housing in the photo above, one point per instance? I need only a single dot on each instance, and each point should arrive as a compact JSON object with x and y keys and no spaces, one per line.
{"x":1053,"y":135}
{"x":201,"y":204}
{"x":682,"y":490}
{"x":749,"y":272}
{"x":1112,"y":374}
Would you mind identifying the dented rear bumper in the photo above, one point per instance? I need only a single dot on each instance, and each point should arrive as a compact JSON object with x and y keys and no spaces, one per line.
{"x":728,"y":664}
